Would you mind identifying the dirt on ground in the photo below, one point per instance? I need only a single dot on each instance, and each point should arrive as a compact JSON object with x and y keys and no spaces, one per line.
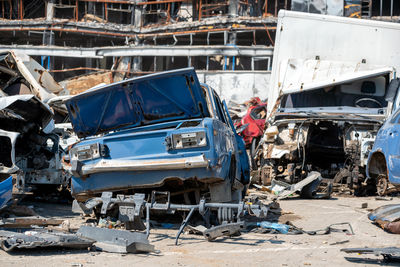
{"x":251,"y":248}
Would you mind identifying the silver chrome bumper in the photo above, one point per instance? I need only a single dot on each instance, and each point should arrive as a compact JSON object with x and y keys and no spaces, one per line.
{"x":140,"y":165}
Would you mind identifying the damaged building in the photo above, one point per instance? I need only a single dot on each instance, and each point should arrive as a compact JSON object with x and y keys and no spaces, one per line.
{"x":229,"y":43}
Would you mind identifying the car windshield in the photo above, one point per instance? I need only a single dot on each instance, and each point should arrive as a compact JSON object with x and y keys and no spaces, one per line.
{"x":368,"y":93}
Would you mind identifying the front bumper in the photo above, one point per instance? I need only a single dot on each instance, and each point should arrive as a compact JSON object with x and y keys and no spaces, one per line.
{"x":80,"y":169}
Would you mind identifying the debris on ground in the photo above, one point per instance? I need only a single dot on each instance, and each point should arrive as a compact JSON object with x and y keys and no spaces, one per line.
{"x":281,"y":228}
{"x":132,"y":207}
{"x":290,"y":228}
{"x":18,"y":210}
{"x":387,"y":217}
{"x":26,"y":222}
{"x":227,"y":229}
{"x":10,"y":240}
{"x":116,"y":241}
{"x":390,"y":254}
{"x":384,"y":198}
{"x":308,"y":188}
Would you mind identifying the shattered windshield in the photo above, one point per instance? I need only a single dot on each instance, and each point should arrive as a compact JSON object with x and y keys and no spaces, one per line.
{"x":367,"y":93}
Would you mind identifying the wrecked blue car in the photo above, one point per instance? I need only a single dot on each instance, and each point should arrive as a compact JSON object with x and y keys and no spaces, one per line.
{"x":164,"y":132}
{"x":384,"y":159}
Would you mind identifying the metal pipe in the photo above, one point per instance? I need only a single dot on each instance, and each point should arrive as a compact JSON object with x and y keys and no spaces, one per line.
{"x":380,"y":11}
{"x":8,"y":71}
{"x":142,"y":35}
{"x":183,"y":225}
{"x":186,"y":51}
{"x":154,"y":2}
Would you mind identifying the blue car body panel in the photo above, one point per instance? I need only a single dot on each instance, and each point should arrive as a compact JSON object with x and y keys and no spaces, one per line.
{"x":386,"y":213}
{"x":143,"y":153}
{"x":387,"y":143}
{"x":5,"y":192}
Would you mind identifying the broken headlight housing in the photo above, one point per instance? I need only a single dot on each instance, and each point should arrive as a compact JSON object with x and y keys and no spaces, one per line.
{"x":188,"y":140}
{"x":88,"y":152}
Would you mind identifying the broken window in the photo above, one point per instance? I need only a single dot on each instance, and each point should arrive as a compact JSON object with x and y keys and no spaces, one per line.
{"x":385,"y":8}
{"x":5,"y":151}
{"x":199,"y":63}
{"x":65,"y":9}
{"x":262,"y":63}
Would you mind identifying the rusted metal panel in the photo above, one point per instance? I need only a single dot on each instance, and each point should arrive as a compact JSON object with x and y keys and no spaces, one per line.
{"x":80,"y":84}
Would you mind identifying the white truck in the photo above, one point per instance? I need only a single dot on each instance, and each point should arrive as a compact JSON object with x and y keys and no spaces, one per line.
{"x":333,"y":83}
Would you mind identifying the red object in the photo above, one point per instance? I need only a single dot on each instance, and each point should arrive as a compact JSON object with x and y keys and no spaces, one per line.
{"x":255,"y":118}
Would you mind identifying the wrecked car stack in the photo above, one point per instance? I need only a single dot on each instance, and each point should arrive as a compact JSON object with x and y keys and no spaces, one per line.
{"x":164,"y":144}
{"x":327,"y":99}
{"x":30,"y":151}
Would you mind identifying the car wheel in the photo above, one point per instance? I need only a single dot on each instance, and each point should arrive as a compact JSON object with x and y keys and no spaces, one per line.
{"x":382,"y":185}
{"x":253,"y":147}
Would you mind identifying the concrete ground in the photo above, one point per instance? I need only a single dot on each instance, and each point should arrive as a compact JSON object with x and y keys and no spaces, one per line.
{"x":251,"y":249}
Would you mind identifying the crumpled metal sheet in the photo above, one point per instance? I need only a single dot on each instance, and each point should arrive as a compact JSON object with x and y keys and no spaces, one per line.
{"x":298,"y":186}
{"x":116,"y":241}
{"x":387,"y":217}
{"x":388,"y":253}
{"x":28,"y":108}
{"x":10,"y":240}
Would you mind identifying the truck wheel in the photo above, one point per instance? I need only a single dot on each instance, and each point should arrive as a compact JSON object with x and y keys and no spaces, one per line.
{"x":382,"y":185}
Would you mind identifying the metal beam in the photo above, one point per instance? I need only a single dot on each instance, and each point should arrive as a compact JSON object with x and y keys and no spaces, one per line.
{"x":116,"y":51}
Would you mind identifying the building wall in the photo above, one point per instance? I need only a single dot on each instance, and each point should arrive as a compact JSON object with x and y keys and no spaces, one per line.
{"x":237,"y":86}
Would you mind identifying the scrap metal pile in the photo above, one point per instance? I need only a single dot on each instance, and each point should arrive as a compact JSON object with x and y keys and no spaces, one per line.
{"x":31,"y":151}
{"x":196,"y":163}
{"x":166,"y":144}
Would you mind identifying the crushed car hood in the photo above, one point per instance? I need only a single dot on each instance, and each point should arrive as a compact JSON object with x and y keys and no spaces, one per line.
{"x":303,"y":75}
{"x":149,"y":99}
{"x":25,"y":107}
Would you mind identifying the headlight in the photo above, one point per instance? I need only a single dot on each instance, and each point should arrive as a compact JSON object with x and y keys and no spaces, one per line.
{"x":92,"y":151}
{"x":187,"y":140}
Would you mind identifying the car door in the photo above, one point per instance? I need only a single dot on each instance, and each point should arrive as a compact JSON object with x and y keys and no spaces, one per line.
{"x":224,"y":145}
